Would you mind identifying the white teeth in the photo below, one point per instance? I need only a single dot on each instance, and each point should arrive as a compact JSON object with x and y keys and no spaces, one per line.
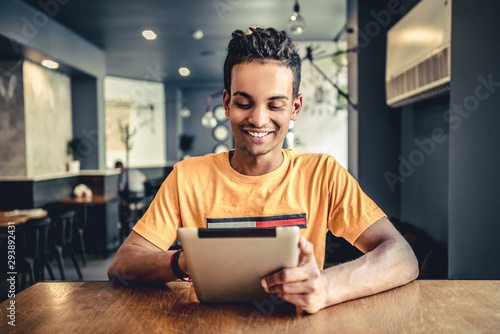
{"x":258,"y":134}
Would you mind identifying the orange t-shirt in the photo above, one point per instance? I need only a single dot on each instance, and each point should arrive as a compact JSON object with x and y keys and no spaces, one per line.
{"x":312,"y":191}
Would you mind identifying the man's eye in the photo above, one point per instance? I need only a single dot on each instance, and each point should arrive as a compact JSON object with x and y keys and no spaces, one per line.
{"x":276,"y":108}
{"x":243,"y":106}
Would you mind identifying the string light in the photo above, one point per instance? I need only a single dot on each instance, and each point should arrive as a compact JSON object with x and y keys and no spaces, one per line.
{"x":296,"y":24}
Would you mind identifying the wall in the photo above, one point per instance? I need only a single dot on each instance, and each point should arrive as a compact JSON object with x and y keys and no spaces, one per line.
{"x":86,"y":94}
{"x":134,"y":98}
{"x":386,"y":137}
{"x":453,"y":193}
{"x":37,"y":192}
{"x":474,"y":167}
{"x":322,"y":127}
{"x":377,"y":127}
{"x":352,"y":89}
{"x":196,"y":100}
{"x":35,"y":120}
{"x":424,"y":186}
{"x":34,"y":34}
{"x":12,"y":122}
{"x":173,"y":97}
{"x":47,"y":108}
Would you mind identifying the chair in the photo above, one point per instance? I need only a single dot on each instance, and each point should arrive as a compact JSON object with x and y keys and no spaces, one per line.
{"x":62,"y":240}
{"x":131,"y":210}
{"x":81,"y":224}
{"x":34,"y":251}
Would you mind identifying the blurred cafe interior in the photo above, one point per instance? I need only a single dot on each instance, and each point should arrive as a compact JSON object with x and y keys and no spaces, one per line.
{"x":405,"y":94}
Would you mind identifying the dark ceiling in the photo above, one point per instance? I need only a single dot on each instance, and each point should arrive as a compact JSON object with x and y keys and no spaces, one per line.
{"x":116,"y":26}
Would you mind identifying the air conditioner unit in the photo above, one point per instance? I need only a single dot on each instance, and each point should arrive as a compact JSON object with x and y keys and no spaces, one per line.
{"x":418,"y":54}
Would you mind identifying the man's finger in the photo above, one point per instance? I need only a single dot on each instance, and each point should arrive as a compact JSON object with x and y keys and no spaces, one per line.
{"x":303,"y":287}
{"x":289,"y":275}
{"x":285,"y":276}
{"x":306,"y":251}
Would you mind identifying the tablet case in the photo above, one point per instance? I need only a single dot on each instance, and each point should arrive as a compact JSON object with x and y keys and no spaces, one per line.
{"x":227,"y":264}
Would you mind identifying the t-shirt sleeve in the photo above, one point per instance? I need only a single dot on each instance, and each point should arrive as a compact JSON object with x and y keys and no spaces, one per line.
{"x":160,"y":222}
{"x":351,"y":210}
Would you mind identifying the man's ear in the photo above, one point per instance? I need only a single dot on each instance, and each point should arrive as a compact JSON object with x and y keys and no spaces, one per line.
{"x":226,"y":98}
{"x":297,"y":106}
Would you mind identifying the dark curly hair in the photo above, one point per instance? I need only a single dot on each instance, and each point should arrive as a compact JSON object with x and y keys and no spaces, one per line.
{"x":262,"y":45}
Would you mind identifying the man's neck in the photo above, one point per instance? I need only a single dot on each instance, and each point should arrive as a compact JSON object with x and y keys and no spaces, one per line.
{"x":255,"y":165}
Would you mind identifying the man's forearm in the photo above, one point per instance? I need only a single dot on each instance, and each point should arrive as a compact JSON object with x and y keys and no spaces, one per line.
{"x":134,"y":263}
{"x":389,"y":265}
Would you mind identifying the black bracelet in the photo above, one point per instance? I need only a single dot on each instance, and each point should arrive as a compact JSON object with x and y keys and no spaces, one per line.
{"x":174,"y":264}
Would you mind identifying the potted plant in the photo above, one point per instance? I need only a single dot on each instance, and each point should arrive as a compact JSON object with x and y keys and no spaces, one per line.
{"x":75,"y":150}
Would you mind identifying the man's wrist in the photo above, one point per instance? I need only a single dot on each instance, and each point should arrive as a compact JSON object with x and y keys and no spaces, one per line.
{"x":174,"y":265}
{"x":327,"y":292}
{"x":182,"y":264}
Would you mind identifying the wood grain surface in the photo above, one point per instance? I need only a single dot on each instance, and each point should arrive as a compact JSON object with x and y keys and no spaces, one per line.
{"x":105,"y":307}
{"x":96,"y":199}
{"x":5,"y":218}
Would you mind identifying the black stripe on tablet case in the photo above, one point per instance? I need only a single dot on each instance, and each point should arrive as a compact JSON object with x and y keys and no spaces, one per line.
{"x":237,"y":232}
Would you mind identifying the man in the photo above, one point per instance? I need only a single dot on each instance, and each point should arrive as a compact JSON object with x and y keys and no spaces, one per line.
{"x":260,"y":179}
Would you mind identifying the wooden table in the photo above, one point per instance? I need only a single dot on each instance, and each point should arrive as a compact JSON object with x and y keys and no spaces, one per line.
{"x":104,"y":307}
{"x":21,"y":218}
{"x":102,"y":234}
{"x":95,"y":199}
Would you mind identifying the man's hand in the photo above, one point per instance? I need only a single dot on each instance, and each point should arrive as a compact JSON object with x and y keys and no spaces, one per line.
{"x":304,"y":286}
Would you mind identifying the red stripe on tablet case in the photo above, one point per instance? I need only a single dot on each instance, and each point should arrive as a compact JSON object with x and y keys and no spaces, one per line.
{"x":283,"y":222}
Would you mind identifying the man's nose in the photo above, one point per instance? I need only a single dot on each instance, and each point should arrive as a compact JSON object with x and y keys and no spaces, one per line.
{"x":259,"y":116}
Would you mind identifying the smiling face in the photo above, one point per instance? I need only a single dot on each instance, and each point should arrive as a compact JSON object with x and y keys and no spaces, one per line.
{"x":260,"y":108}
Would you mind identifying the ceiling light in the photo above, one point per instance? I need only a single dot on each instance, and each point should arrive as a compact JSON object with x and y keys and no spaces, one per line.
{"x":50,"y":64}
{"x":198,"y":34}
{"x":184,"y":71}
{"x":185,"y":112}
{"x":296,"y":24}
{"x":208,"y":120}
{"x":149,"y":34}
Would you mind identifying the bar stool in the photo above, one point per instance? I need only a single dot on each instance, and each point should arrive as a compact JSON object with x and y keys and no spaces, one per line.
{"x":84,"y":212}
{"x":34,"y":251}
{"x":131,"y":210}
{"x":62,"y":240}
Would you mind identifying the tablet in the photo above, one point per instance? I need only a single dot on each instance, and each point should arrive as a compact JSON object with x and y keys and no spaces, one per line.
{"x":227,"y":264}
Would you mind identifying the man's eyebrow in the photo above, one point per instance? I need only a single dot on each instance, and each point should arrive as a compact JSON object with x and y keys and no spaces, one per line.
{"x":242,"y":94}
{"x":279,"y":97}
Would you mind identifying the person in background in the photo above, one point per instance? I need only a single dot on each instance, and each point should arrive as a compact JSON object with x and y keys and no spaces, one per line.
{"x":131,"y":183}
{"x":280,"y":186}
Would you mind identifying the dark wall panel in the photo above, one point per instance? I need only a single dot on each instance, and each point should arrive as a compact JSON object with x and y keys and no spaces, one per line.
{"x":424,"y":166}
{"x":28,"y":194}
{"x":53,"y":190}
{"x":16,"y":195}
{"x":378,"y":131}
{"x":84,"y":100}
{"x":474,"y":223}
{"x":173,"y":121}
